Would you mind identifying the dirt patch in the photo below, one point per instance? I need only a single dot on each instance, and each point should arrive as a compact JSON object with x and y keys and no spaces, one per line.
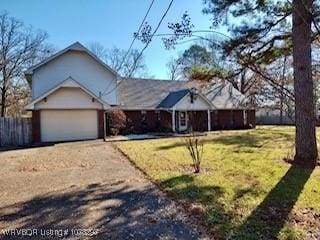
{"x":189,"y":168}
{"x":308,"y":219}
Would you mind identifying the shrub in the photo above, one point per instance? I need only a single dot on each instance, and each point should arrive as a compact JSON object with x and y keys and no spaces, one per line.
{"x":195,"y":149}
{"x":117,"y":120}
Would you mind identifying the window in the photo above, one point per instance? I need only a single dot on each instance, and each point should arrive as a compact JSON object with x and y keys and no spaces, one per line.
{"x":183,"y":119}
{"x":158,"y":115}
{"x":245,"y":117}
{"x":216,"y":118}
{"x":144,"y":119}
{"x":232,"y":118}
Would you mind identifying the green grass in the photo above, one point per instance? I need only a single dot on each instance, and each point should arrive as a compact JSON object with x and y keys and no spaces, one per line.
{"x":245,"y":187}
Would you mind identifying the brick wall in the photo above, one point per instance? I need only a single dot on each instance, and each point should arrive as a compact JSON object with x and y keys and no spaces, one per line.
{"x":101,"y":128}
{"x":146,"y":121}
{"x":220,"y":119}
{"x":36,"y":132}
{"x":198,"y":120}
{"x":214,"y":120}
{"x":165,"y":121}
{"x":238,"y":121}
{"x":224,"y":119}
{"x":251,"y":117}
{"x":231,"y":119}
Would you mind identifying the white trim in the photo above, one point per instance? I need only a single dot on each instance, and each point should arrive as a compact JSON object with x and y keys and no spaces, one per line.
{"x":199,"y":94}
{"x":69,"y":82}
{"x":209,"y":120}
{"x":173,"y":118}
{"x":245,"y":117}
{"x":183,"y":127}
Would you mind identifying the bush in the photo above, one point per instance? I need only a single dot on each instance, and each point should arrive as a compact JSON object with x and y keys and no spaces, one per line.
{"x":117,"y":120}
{"x":195,"y":148}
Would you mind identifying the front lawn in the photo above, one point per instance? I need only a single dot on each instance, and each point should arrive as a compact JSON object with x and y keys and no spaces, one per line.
{"x":245,"y":188}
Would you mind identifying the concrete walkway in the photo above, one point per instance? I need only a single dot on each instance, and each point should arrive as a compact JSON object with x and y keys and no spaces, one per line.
{"x":130,"y":137}
{"x":150,"y":136}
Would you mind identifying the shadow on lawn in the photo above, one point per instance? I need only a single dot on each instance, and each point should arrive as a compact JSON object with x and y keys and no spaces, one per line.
{"x":267,"y":220}
{"x":185,"y":187}
{"x":13,"y":148}
{"x":116,"y":210}
{"x":238,"y":140}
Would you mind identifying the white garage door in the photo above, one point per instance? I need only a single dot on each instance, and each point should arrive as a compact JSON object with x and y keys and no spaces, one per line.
{"x":67,"y":125}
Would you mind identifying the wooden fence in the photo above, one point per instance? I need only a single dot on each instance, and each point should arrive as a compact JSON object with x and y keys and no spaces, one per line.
{"x":15,"y":131}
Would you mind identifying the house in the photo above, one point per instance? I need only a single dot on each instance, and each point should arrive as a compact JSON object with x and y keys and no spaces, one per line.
{"x":153,"y":105}
{"x":73,"y":90}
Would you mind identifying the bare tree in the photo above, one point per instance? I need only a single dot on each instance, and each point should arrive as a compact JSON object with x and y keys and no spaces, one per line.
{"x":119,"y":60}
{"x":20,"y":47}
{"x":18,"y":97}
{"x":98,"y":49}
{"x":174,"y":69}
{"x":194,"y":145}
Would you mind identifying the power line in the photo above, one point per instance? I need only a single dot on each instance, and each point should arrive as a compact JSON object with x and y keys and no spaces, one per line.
{"x":135,"y":36}
{"x":144,"y":48}
{"x":154,"y":32}
{"x":133,"y":40}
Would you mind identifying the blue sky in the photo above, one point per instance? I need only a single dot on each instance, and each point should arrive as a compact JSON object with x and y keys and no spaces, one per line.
{"x":110,"y":22}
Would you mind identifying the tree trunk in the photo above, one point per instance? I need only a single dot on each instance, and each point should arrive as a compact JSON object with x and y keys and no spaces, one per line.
{"x":3,"y":89}
{"x":305,"y":140}
{"x":3,"y":103}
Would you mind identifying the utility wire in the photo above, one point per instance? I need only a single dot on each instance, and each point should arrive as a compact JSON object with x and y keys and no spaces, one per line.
{"x":145,"y":47}
{"x":135,"y":37}
{"x":153,"y":34}
{"x":133,"y":40}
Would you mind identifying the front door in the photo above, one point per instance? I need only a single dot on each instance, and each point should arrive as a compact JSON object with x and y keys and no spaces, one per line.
{"x":183,"y":121}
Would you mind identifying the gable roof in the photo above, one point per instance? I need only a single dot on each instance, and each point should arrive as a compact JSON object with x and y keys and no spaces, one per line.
{"x":69,"y":82}
{"x":225,"y":96}
{"x":173,"y":98}
{"x":137,"y":94}
{"x":73,"y":47}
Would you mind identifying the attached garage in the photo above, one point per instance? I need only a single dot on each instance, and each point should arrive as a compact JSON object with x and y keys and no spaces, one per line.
{"x":67,"y":113}
{"x":68,"y":125}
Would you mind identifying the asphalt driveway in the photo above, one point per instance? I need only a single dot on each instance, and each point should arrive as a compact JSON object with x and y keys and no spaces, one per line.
{"x":83,"y":190}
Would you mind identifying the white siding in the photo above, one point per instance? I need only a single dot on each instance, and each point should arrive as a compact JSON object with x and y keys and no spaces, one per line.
{"x":198,"y":104}
{"x":81,"y":67}
{"x":67,"y":125}
{"x":68,"y":98}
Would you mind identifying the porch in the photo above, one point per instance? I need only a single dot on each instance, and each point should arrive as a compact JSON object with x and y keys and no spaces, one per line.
{"x":195,"y":120}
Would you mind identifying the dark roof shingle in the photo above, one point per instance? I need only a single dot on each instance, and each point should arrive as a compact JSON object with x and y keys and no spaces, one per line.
{"x":147,"y":93}
{"x":173,"y":98}
{"x":139,"y":94}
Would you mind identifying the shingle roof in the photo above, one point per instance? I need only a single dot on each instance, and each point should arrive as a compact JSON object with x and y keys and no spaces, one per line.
{"x":137,"y":94}
{"x":147,"y":93}
{"x":225,"y":96}
{"x":173,"y":98}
